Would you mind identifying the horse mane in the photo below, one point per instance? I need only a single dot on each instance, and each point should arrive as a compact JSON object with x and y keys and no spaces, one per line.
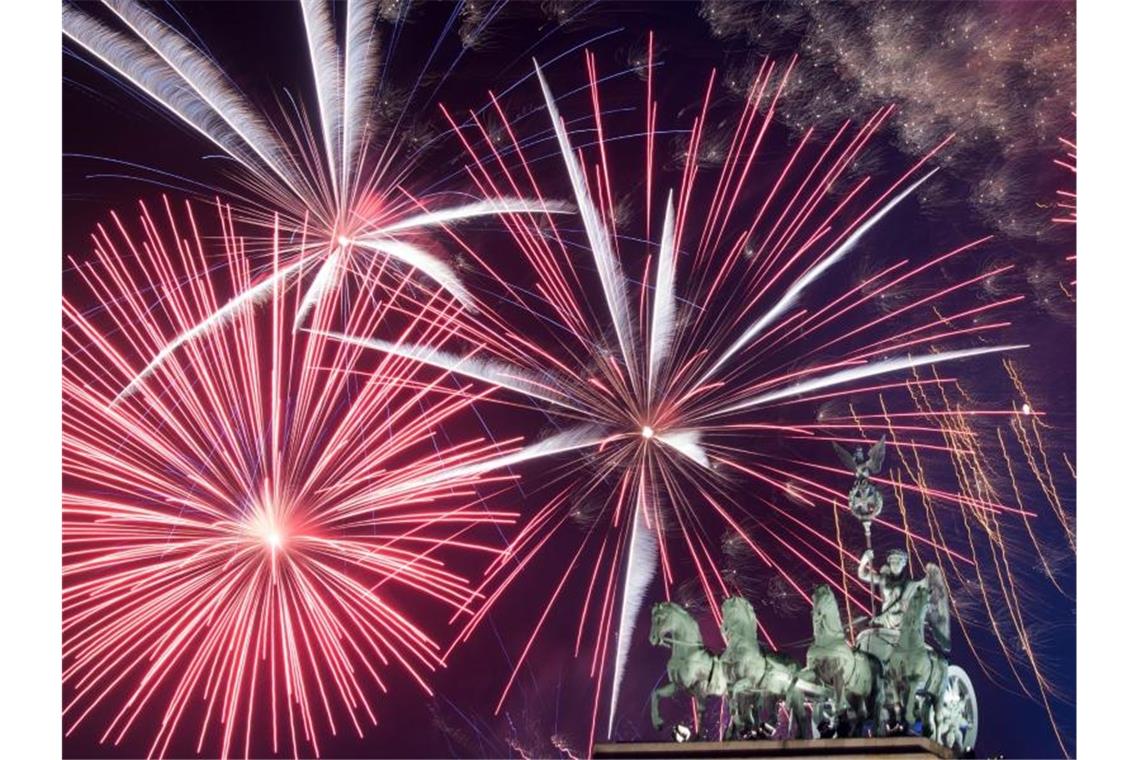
{"x":743,"y":623}
{"x":823,"y":605}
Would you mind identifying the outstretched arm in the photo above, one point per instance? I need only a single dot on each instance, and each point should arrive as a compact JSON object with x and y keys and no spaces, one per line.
{"x":866,"y":573}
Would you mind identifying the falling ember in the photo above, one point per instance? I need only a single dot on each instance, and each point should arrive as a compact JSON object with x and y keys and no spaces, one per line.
{"x":991,"y":578}
{"x":252,"y":544}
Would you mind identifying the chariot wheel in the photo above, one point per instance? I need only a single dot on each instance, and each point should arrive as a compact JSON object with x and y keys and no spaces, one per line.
{"x":958,"y":682}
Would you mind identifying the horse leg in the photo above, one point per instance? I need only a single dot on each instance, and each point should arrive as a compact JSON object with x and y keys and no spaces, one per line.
{"x":881,"y":719}
{"x":893,"y":706}
{"x":748,"y":714}
{"x":859,"y":710}
{"x":842,"y":708}
{"x":866,"y":698}
{"x":930,"y":723}
{"x":668,"y":690}
{"x":877,"y":710}
{"x":875,"y":698}
{"x":752,"y":703}
{"x":736,"y":723}
{"x":795,"y":701}
{"x":870,"y":713}
{"x":912,"y":702}
{"x":762,"y":709}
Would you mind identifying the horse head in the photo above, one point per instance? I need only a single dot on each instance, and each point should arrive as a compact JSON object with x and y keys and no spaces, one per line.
{"x":826,"y":623}
{"x":667,"y":618}
{"x":738,"y":620}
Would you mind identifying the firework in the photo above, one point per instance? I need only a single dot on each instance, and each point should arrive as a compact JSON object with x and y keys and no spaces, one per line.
{"x":242,"y":536}
{"x":991,"y":598}
{"x":674,"y":392}
{"x":1003,"y":82}
{"x":1067,"y":199}
{"x":1066,"y":202}
{"x":333,"y":181}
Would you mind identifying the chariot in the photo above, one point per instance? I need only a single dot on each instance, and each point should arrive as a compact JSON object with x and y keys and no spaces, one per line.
{"x":886,"y":679}
{"x":934,"y":696}
{"x":889,"y":682}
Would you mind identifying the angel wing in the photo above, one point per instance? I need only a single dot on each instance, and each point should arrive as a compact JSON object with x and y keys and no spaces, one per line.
{"x":877,"y":455}
{"x":938,"y":611}
{"x":845,"y":457}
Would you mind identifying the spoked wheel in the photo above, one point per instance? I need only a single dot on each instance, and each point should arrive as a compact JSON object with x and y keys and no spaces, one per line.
{"x":958,"y":684}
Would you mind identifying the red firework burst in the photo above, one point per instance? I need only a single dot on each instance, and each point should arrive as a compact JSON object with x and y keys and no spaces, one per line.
{"x":243,"y":535}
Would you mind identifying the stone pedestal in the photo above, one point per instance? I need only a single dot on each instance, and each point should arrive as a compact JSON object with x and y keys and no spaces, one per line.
{"x":894,"y":747}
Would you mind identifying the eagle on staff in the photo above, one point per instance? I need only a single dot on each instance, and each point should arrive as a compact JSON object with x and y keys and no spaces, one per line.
{"x":863,"y":466}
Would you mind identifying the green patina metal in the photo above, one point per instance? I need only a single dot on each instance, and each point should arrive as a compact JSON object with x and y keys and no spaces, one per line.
{"x":895,"y":678}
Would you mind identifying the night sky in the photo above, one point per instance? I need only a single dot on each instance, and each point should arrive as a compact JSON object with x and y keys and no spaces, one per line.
{"x":1000,"y":76}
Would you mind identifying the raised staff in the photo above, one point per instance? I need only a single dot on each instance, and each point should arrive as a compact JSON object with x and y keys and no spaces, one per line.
{"x":864,"y":499}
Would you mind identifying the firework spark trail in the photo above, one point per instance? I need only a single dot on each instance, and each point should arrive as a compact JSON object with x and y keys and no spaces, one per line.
{"x":918,"y":475}
{"x":1028,"y":526}
{"x":1008,"y":585}
{"x":1036,"y":456}
{"x":641,"y":563}
{"x":972,"y":479}
{"x":1066,"y":202}
{"x":676,"y":399}
{"x":245,"y":533}
{"x":1067,"y":199}
{"x":342,"y":194}
{"x":937,"y":528}
{"x":1007,"y":620}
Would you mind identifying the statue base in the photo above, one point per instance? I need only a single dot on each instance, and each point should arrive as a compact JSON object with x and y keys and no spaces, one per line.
{"x":900,"y":747}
